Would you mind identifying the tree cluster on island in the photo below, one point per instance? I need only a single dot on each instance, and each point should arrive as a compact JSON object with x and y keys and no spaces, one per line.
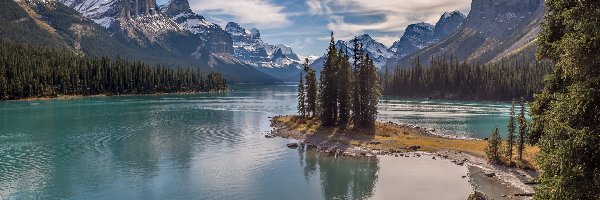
{"x":346,"y":94}
{"x":30,"y":72}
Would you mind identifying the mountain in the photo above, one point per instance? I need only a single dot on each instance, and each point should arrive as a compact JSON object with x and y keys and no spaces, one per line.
{"x":131,"y":29}
{"x":493,"y":30}
{"x":377,"y":51}
{"x":276,"y":60}
{"x":420,"y":35}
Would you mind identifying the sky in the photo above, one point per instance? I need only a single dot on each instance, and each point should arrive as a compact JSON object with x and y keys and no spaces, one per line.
{"x":305,"y":24}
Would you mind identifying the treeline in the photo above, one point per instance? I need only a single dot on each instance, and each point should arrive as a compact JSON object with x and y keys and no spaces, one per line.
{"x":346,"y":94}
{"x":27,"y":72}
{"x":449,"y":79}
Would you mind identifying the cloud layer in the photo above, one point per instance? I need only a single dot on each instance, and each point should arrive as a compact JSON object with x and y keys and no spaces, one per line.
{"x":397,"y":14}
{"x":260,"y":13}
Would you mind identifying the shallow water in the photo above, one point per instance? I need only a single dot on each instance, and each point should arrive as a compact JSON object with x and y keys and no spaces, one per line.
{"x":206,"y":146}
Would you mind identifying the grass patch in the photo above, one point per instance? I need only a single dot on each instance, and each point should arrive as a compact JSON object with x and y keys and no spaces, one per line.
{"x":397,"y":137}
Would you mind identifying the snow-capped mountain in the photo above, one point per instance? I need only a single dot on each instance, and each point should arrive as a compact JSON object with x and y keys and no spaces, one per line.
{"x":377,"y":51}
{"x":420,"y":35}
{"x":276,"y":60}
{"x":212,"y":36}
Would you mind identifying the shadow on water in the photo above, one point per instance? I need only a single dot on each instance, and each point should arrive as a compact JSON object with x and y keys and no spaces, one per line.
{"x":341,"y":177}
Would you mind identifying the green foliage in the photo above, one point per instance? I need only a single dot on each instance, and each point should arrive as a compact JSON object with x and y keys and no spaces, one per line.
{"x":493,"y":149}
{"x":301,"y":96}
{"x":311,"y":90}
{"x":510,"y":138}
{"x":27,"y":72}
{"x":450,"y":79}
{"x":367,"y":89}
{"x":345,"y":84}
{"x":566,"y":114}
{"x":522,"y":130}
{"x":329,"y":90}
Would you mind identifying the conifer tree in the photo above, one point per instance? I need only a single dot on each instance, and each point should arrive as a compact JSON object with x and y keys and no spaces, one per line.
{"x":301,"y":96}
{"x":510,"y":138}
{"x":328,"y":98}
{"x":311,"y":90}
{"x":493,"y":149}
{"x":358,"y":81}
{"x":345,"y":87}
{"x":565,"y":114}
{"x":373,"y":92}
{"x":522,"y":130}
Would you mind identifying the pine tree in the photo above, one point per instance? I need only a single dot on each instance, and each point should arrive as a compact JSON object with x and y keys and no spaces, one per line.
{"x":328,"y":98}
{"x":301,"y":97}
{"x":311,"y":90}
{"x":373,"y":92}
{"x":345,"y":88}
{"x":510,"y":138}
{"x":566,"y":114}
{"x":358,"y":82}
{"x":493,"y":149}
{"x":522,"y":130}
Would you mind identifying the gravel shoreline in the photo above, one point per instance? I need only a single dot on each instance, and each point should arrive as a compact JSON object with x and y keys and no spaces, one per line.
{"x":495,"y":181}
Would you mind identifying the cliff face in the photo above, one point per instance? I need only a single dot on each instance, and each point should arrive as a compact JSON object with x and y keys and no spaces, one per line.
{"x":493,"y":30}
{"x":421,"y":35}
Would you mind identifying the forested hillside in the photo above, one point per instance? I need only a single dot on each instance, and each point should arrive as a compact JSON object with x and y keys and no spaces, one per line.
{"x":449,"y":79}
{"x":28,"y":72}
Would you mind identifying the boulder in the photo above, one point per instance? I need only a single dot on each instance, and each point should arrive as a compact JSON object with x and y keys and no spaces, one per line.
{"x":292,"y":145}
{"x":414,"y":148}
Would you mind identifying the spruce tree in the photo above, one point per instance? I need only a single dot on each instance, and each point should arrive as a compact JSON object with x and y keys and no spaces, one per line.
{"x":358,"y":82}
{"x":345,"y":87}
{"x":301,"y":96}
{"x":373,"y":92}
{"x":328,"y":99}
{"x":311,"y":90}
{"x":566,"y":113}
{"x":522,"y":130}
{"x":510,"y":138}
{"x":493,"y":149}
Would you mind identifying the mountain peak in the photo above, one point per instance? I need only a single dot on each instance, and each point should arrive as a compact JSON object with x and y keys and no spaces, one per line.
{"x":174,"y":7}
{"x":455,"y":14}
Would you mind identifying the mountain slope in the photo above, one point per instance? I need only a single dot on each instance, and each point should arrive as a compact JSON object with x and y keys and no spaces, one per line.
{"x":152,"y":38}
{"x":493,"y":30}
{"x":377,"y":51}
{"x":421,"y":35}
{"x":276,"y":60}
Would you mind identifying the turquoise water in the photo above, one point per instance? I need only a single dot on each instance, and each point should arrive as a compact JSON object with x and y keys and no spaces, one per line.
{"x":209,"y":146}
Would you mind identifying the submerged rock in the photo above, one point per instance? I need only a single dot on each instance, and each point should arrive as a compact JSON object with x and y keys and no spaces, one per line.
{"x":292,"y":145}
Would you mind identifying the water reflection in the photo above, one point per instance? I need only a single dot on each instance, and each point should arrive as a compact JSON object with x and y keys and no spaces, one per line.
{"x":341,"y":177}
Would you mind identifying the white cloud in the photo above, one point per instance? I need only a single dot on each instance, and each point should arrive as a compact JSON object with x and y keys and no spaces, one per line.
{"x":398,"y":14}
{"x":260,"y":13}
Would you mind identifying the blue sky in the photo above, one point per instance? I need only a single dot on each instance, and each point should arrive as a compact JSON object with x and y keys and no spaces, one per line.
{"x":305,"y":24}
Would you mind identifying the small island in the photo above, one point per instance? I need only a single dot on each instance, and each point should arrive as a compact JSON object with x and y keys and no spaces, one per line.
{"x":402,"y":140}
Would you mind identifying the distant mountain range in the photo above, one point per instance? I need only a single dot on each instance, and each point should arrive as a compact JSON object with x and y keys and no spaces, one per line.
{"x":173,"y":35}
{"x":493,"y":30}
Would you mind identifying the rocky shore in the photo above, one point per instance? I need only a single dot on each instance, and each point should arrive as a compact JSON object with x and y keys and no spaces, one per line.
{"x":495,"y":181}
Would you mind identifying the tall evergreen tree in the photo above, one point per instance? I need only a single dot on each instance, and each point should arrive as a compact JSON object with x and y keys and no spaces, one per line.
{"x":345,"y":87}
{"x":358,"y":82}
{"x":566,"y":113}
{"x":493,"y":149}
{"x":510,"y":138}
{"x":311,"y":90}
{"x":522,"y":130}
{"x":301,"y":96}
{"x":328,"y":98}
{"x":373,"y":92}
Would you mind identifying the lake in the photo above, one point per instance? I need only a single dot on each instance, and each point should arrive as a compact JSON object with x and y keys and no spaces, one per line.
{"x":212,"y":146}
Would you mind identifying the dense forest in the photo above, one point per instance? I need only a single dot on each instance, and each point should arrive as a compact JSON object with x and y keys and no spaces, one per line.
{"x":566,"y":113}
{"x":28,"y":72}
{"x":449,"y":79}
{"x":347,"y":94}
